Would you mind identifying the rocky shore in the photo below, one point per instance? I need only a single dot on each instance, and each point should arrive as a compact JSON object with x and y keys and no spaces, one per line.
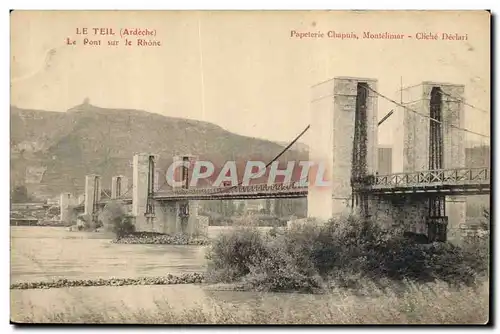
{"x":161,"y":239}
{"x":189,"y":278}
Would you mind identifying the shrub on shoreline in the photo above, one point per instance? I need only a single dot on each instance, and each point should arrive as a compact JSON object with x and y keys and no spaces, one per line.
{"x":115,"y":218}
{"x":340,"y":251}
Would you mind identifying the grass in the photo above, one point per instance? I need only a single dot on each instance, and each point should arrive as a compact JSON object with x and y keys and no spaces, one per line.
{"x":432,"y":303}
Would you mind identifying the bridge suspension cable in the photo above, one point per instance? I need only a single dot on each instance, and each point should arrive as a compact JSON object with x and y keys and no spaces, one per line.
{"x":385,"y":117}
{"x":268,"y":164}
{"x":164,"y":183}
{"x":106,"y":193}
{"x":425,"y":116}
{"x":275,"y":158}
{"x":126,"y":192}
{"x":458,"y":99}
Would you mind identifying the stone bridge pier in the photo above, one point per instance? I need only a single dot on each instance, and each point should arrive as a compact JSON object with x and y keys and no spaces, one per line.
{"x":409,"y":213}
{"x":162,"y":216}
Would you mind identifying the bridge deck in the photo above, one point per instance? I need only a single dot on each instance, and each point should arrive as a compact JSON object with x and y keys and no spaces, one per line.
{"x":459,"y":181}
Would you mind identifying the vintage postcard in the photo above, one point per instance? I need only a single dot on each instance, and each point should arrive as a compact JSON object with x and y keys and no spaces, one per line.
{"x":250,"y":167}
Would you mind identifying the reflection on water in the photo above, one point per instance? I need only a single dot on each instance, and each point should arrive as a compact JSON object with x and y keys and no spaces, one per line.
{"x":46,"y":253}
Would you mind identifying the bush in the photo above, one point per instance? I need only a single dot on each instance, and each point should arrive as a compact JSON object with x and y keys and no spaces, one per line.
{"x":278,"y":270}
{"x":478,"y":251}
{"x":116,"y":219}
{"x":85,"y":222}
{"x":123,"y":226}
{"x":232,"y":255}
{"x":344,"y":250}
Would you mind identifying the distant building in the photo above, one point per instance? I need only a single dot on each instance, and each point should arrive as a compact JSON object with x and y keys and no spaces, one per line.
{"x":24,"y":221}
{"x":384,"y":160}
{"x":477,"y":156}
{"x":254,"y":205}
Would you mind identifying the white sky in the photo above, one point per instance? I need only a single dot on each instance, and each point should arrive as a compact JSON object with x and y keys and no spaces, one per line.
{"x":256,"y":79}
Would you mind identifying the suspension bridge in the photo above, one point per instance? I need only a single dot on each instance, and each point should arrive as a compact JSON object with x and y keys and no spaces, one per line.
{"x":344,"y":130}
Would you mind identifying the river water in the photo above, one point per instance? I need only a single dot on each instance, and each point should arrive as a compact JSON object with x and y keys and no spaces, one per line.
{"x":47,"y":253}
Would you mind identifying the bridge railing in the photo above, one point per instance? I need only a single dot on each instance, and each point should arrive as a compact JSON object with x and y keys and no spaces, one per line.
{"x":432,"y":178}
{"x":440,"y":176}
{"x":254,"y":188}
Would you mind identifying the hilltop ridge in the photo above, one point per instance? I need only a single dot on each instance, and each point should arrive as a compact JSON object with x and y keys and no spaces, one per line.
{"x":51,"y":152}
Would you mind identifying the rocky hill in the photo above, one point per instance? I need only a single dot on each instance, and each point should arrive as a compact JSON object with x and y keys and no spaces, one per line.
{"x":51,"y":152}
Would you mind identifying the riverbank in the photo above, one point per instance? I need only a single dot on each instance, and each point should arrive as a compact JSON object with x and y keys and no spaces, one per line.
{"x":189,"y":278}
{"x":153,"y":238}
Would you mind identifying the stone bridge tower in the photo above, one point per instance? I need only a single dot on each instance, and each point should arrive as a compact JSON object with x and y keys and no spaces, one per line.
{"x":432,"y":141}
{"x":156,"y":215}
{"x":337,"y":106}
{"x":344,"y":127}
